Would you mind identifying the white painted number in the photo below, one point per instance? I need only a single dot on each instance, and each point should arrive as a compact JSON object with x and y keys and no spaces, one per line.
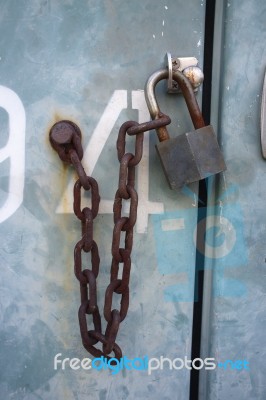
{"x":14,"y":150}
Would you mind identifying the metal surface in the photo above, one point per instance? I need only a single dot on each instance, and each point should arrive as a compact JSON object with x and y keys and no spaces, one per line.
{"x":189,"y":157}
{"x":217,"y":71}
{"x":263,"y":119}
{"x":234,"y":305}
{"x":187,"y":65}
{"x":78,"y":61}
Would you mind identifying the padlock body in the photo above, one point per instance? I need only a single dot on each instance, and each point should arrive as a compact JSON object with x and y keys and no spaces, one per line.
{"x":191,"y":157}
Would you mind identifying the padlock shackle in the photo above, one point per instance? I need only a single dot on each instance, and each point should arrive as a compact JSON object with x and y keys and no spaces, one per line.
{"x":187,"y":92}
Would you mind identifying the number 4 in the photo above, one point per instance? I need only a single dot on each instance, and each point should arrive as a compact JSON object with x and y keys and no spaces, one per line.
{"x":100,"y":135}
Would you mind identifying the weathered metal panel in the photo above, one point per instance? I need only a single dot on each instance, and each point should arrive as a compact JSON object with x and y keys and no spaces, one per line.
{"x":87,"y":61}
{"x":237,"y":219}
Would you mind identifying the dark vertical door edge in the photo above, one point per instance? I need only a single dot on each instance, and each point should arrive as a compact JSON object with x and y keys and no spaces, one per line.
{"x":202,"y":204}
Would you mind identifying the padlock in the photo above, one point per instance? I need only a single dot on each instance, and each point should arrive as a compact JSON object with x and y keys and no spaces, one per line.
{"x":191,"y":156}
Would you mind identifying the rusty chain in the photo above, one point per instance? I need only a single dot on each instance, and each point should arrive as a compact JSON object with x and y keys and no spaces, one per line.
{"x":65,"y":138}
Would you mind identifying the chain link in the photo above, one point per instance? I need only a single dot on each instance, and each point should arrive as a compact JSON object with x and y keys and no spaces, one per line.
{"x":71,"y":151}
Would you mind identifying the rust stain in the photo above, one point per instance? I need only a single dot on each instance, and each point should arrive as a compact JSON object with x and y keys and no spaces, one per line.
{"x":60,"y":176}
{"x":64,"y":180}
{"x":62,"y":220}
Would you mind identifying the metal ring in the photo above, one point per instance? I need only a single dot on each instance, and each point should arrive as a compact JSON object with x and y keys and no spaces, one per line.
{"x":108,"y":300}
{"x":86,"y":339}
{"x":95,"y":198}
{"x":111,"y":332}
{"x":91,"y":294}
{"x":121,"y":143}
{"x":95,"y":261}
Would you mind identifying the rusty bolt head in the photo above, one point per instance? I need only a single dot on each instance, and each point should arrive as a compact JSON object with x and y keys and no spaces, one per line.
{"x":64,"y":136}
{"x":62,"y":132}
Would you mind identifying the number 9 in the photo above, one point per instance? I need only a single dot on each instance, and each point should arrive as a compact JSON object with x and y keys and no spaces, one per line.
{"x":14,"y":150}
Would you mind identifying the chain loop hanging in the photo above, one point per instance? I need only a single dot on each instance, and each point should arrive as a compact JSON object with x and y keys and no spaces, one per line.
{"x":65,"y":138}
